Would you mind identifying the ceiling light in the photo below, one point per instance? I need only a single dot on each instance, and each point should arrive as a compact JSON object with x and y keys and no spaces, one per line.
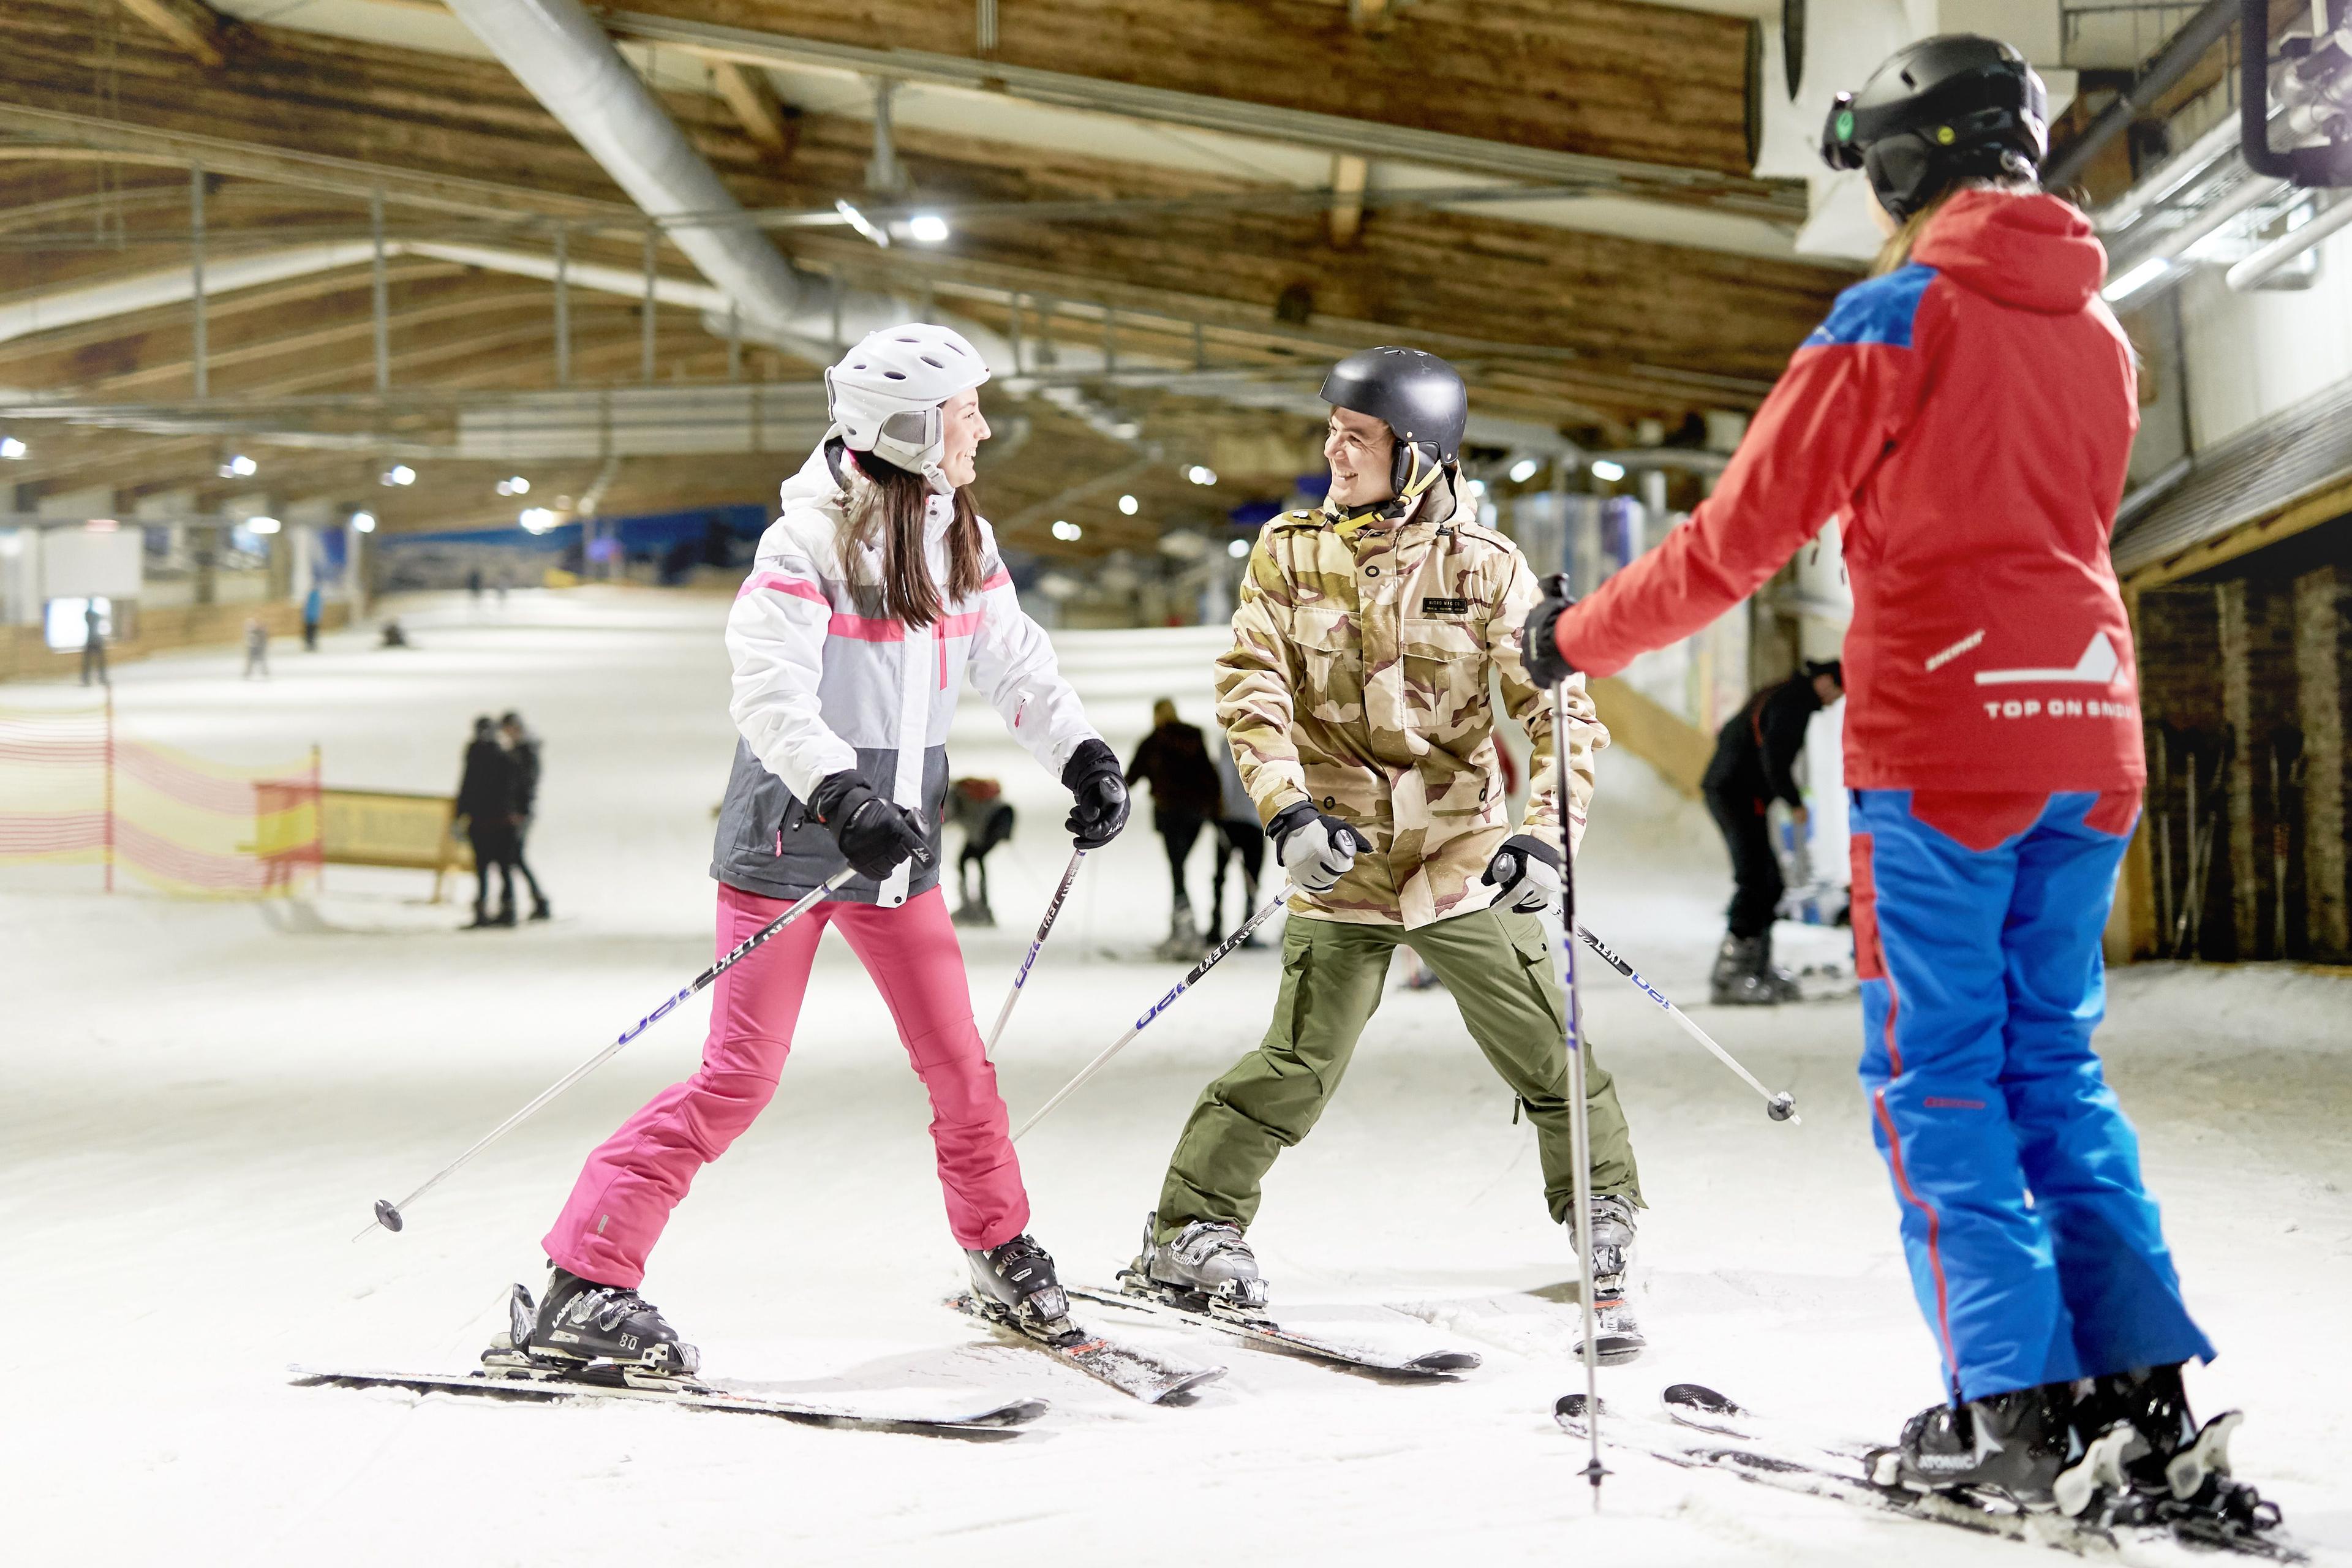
{"x":1130,"y":505}
{"x":517,"y":485}
{"x":1524,"y":469}
{"x":261,"y":524}
{"x":927,"y":228}
{"x":537,"y":520}
{"x":13,"y":449}
{"x":1477,"y":489}
{"x":2133,"y":281}
{"x":239,"y":467}
{"x":400,"y":473}
{"x":1067,"y":532}
{"x":1239,"y":548}
{"x":862,"y":224}
{"x":1602,"y":468}
{"x":1126,"y":429}
{"x":363,"y":521}
{"x":100,"y":525}
{"x":1200,"y":476}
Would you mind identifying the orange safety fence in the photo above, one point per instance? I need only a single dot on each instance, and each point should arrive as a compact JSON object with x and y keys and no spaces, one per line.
{"x":75,"y":791}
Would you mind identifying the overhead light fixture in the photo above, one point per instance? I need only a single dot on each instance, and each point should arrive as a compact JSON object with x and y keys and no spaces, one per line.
{"x":536,"y":520}
{"x":400,"y":473}
{"x":927,"y":229}
{"x":1602,"y":468}
{"x":2133,"y":281}
{"x":1130,"y":505}
{"x":1239,"y":548}
{"x":1477,"y":489}
{"x":861,"y":222}
{"x":1524,"y":469}
{"x":1126,"y":429}
{"x":1067,"y":532}
{"x":16,"y":451}
{"x":239,"y":467}
{"x":363,"y":521}
{"x":517,"y":485}
{"x":261,"y":524}
{"x":1200,"y":476}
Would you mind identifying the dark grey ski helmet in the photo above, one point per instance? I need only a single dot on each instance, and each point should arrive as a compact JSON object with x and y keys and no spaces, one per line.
{"x":1418,"y":397}
{"x":1948,"y":108}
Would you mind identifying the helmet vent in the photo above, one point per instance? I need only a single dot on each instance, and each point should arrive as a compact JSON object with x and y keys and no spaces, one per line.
{"x":893,"y":375}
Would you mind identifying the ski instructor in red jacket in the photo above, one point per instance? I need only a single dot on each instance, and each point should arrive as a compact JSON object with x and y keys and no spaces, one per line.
{"x":1967,"y":413}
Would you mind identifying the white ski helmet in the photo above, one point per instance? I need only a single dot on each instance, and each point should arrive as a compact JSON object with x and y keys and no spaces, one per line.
{"x":884,"y":395}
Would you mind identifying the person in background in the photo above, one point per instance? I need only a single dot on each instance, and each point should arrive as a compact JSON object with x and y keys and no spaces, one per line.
{"x":93,"y":645}
{"x":313,"y":608}
{"x":1185,"y":794}
{"x":1754,"y":763}
{"x":1995,"y":758}
{"x":522,"y":750}
{"x":474,"y":584}
{"x":1239,"y":837}
{"x":485,"y":805}
{"x":978,"y":807}
{"x":257,"y":648}
{"x":393,"y":636}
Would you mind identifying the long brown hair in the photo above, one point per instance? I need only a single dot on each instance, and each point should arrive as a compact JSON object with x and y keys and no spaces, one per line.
{"x":893,"y":519}
{"x":1897,"y":251}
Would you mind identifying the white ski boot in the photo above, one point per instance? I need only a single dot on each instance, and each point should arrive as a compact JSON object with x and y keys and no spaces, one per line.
{"x":1205,"y":1259}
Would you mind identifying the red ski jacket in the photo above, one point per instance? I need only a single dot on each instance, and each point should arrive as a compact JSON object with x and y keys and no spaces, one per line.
{"x":1967,"y":419}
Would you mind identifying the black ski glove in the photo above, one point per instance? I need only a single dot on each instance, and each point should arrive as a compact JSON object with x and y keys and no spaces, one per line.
{"x":1092,"y":777}
{"x":876,"y":835}
{"x":1538,"y":646}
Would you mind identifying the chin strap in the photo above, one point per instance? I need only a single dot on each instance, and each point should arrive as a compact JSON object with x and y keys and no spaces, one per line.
{"x":1419,"y":479}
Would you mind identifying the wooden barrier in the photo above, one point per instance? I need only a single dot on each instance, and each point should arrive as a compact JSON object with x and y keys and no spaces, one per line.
{"x":1678,"y":749}
{"x":394,"y":828}
{"x":25,"y":655}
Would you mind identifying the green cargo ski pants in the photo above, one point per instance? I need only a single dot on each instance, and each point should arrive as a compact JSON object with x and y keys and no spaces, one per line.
{"x":1498,"y":968}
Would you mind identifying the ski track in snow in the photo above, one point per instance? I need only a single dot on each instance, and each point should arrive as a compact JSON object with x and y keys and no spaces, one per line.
{"x":204,"y":1099}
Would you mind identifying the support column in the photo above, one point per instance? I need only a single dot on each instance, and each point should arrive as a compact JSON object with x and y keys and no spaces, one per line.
{"x":2320,"y":649}
{"x":198,"y":351}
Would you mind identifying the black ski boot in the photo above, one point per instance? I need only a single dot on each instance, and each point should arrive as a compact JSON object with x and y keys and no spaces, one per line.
{"x":481,"y":921}
{"x":1738,"y":979}
{"x":581,"y":1321}
{"x":2012,"y":1443}
{"x":1018,"y":1277}
{"x":2151,"y":1460}
{"x":540,"y":909}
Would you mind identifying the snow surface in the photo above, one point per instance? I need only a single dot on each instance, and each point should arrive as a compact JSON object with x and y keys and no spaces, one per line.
{"x":203,"y":1100}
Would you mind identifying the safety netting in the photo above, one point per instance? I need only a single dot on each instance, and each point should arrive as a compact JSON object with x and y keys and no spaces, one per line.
{"x":75,"y":790}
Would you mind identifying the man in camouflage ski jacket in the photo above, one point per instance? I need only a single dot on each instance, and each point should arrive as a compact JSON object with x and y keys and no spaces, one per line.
{"x":1370,"y":638}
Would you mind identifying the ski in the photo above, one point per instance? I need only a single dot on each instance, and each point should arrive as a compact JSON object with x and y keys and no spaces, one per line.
{"x":1131,"y":1371}
{"x":1703,"y":1429}
{"x":512,"y":1375}
{"x":1137,"y":1294}
{"x":1506,"y":1323}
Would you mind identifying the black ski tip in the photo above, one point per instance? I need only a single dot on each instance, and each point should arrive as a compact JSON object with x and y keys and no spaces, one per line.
{"x":1781,"y":1107}
{"x":1572,"y":1408}
{"x":1700,"y":1396}
{"x":386,"y":1216}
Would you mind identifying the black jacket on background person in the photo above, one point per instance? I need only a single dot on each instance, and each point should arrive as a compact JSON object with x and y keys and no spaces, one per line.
{"x":524,"y":757}
{"x":486,"y":791}
{"x":1754,"y":763}
{"x":1174,"y":758}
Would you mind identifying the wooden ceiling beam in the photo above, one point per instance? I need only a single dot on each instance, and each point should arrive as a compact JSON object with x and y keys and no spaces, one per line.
{"x":765,"y":118}
{"x":195,"y":27}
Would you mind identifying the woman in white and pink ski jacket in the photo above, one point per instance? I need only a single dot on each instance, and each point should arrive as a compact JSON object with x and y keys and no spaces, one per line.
{"x":872,"y":595}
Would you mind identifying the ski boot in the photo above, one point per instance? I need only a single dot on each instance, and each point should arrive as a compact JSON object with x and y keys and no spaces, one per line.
{"x":2015,"y":1445}
{"x":1738,"y":978}
{"x":2151,"y":1461}
{"x":1206,"y":1265}
{"x":540,"y":909}
{"x":1184,"y":944}
{"x":586,"y":1324}
{"x":1016,"y":1281}
{"x":481,"y":921}
{"x":1617,"y":1336}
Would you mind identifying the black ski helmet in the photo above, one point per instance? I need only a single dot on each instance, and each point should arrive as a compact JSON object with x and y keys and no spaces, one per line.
{"x":1947,"y":108}
{"x":1418,"y":397}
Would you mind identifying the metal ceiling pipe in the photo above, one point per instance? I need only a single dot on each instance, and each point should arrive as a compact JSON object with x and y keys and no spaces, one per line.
{"x":560,"y":54}
{"x":2257,"y":269}
{"x":2201,"y":32}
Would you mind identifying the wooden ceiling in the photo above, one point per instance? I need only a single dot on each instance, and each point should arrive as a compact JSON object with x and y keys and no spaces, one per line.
{"x":105,"y":104}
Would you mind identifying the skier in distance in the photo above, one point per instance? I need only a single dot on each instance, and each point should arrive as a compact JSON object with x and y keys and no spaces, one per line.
{"x":1967,"y":412}
{"x":1355,"y":695}
{"x":872,"y":595}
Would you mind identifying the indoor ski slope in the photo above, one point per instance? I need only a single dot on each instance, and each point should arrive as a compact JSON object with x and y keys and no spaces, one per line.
{"x":202,"y":1102}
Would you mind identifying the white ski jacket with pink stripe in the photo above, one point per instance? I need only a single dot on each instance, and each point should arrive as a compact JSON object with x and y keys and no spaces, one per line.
{"x":824,"y":680}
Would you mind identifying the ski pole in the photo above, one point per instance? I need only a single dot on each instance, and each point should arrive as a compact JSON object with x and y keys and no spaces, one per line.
{"x":1781,"y":1107}
{"x":1580,"y":1125}
{"x":388,"y":1214}
{"x":1263,"y":914}
{"x":1036,"y":942}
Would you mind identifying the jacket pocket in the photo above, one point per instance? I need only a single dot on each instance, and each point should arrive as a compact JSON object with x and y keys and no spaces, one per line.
{"x":1444,"y":679}
{"x":1331,"y":665}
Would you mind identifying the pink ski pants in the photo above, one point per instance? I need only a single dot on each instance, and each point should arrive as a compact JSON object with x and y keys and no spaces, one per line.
{"x":637,"y":1176}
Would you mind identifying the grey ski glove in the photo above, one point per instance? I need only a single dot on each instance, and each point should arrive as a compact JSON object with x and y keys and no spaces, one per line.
{"x":1527,"y":869}
{"x":1316,"y":850}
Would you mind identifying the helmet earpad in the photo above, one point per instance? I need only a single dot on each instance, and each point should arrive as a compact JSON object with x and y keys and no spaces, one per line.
{"x":1412,"y":468}
{"x":915,"y":428}
{"x":1905,"y":173}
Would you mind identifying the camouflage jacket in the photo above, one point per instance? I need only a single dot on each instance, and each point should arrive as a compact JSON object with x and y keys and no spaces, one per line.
{"x":1361,"y":678}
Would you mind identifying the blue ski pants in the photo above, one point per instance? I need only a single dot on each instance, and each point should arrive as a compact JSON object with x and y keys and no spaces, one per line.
{"x":2036,"y":1254}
